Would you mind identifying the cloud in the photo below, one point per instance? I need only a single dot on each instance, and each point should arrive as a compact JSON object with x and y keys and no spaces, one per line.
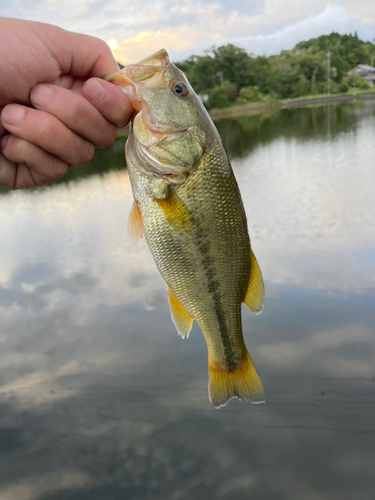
{"x":198,"y":26}
{"x":333,"y":18}
{"x":190,"y":27}
{"x":140,"y":45}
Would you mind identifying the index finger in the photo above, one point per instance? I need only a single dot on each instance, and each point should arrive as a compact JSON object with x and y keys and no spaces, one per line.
{"x":86,"y":56}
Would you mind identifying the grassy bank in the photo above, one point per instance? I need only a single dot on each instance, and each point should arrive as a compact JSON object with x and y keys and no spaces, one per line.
{"x":247,"y":109}
{"x":261,"y":107}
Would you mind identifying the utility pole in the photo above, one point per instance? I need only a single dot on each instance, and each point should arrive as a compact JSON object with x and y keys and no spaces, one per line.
{"x":328,"y":54}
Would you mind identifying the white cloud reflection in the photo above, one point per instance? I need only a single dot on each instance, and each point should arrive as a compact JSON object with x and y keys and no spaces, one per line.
{"x":46,"y":483}
{"x":98,"y":392}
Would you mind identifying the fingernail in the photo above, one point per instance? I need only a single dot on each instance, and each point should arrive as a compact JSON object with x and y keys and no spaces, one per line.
{"x":94,"y":90}
{"x":3,"y":141}
{"x":40,"y":95}
{"x":12,"y":114}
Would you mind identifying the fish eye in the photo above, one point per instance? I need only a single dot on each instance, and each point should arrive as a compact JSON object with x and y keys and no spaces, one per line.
{"x":180,"y":89}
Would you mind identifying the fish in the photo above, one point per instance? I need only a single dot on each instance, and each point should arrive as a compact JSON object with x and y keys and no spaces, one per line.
{"x":188,"y":206}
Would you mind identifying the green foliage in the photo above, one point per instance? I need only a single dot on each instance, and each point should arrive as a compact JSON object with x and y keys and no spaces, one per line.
{"x":302,"y":87}
{"x":200,"y":72}
{"x":364,"y":85}
{"x":218,"y":98}
{"x":356,"y":82}
{"x":234,"y":63}
{"x":298,"y":72}
{"x":344,"y":87}
{"x":335,"y":88}
{"x":230,"y":90}
{"x":251,"y":94}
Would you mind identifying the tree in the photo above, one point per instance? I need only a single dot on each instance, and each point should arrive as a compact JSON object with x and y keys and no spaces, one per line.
{"x":292,"y":73}
{"x":249,"y":94}
{"x":218,"y":98}
{"x":235,"y":64}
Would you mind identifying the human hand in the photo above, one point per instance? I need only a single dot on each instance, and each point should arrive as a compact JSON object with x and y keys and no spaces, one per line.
{"x":55,"y":110}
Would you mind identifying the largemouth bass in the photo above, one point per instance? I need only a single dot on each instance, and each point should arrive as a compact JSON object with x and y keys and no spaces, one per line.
{"x":188,"y":205}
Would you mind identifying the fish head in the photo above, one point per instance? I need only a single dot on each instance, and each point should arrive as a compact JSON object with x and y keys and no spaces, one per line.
{"x":170,"y":127}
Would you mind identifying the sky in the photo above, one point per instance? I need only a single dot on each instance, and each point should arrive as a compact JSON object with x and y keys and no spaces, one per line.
{"x":135,"y":29}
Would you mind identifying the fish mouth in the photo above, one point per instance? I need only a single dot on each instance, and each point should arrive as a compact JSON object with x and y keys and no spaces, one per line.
{"x":128,"y":86}
{"x":147,"y":73}
{"x":121,"y":79}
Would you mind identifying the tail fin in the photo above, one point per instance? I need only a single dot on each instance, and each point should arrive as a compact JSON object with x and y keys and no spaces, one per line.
{"x":243,"y":383}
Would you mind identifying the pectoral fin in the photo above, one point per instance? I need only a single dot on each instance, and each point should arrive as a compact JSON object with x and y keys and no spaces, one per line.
{"x":180,"y":317}
{"x":254,"y":298}
{"x":135,"y":224}
{"x":175,"y":211}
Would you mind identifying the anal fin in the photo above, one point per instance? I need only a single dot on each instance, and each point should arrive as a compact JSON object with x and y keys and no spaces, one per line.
{"x":254,"y":298}
{"x":242,"y":383}
{"x":180,"y":317}
{"x":135,"y":224}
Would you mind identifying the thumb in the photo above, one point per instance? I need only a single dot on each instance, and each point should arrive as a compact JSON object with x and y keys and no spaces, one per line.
{"x":110,"y":100}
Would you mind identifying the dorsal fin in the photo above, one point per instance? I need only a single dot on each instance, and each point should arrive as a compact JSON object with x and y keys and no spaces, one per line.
{"x":254,"y":298}
{"x":180,"y":317}
{"x":135,"y":224}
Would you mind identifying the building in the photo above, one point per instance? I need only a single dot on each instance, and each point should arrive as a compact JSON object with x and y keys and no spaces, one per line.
{"x":364,"y":71}
{"x":203,"y":97}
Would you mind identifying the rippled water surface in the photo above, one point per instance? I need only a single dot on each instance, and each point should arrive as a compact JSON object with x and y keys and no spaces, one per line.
{"x":100,"y":398}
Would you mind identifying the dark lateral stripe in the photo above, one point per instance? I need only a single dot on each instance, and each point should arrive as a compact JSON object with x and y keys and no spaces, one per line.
{"x":213,"y":289}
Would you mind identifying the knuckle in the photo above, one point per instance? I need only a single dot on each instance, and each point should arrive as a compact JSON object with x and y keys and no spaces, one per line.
{"x":16,"y":149}
{"x":59,"y":168}
{"x":74,"y":115}
{"x":86,"y":153}
{"x":103,"y":48}
{"x":8,"y":172}
{"x":123,"y":112}
{"x":49,"y":130}
{"x":107,"y":137}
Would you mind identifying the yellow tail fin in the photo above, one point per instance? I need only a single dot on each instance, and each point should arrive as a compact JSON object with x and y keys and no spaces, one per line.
{"x":243,"y":383}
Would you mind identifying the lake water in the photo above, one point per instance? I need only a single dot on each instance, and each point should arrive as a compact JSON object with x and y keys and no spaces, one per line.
{"x":100,"y":398}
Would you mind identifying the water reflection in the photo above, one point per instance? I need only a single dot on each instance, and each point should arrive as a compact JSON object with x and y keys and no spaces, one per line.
{"x":241,"y":135}
{"x":99,"y":398}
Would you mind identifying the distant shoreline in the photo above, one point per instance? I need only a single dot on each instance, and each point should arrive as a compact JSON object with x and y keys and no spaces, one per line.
{"x":255,"y":108}
{"x":260,"y":107}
